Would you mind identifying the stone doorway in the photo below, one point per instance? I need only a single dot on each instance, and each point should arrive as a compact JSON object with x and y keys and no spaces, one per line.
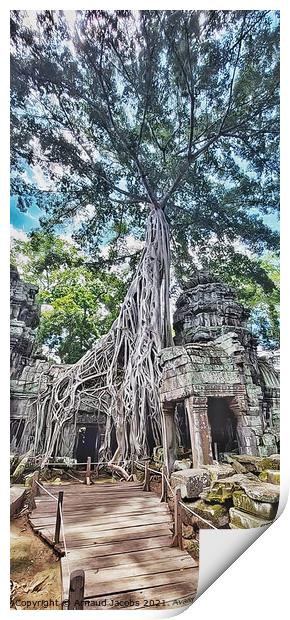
{"x":223,"y":427}
{"x":87,"y":442}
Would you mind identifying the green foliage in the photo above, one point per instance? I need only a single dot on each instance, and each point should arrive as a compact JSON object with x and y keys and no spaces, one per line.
{"x":120,"y":110}
{"x":78,"y":304}
{"x":264,"y":305}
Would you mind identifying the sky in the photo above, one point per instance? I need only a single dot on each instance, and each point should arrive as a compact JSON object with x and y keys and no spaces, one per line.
{"x":23,"y":223}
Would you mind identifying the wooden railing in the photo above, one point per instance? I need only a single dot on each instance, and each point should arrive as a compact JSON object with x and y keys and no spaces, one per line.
{"x":77,"y":577}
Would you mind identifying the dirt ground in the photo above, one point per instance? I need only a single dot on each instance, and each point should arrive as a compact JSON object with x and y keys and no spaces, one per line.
{"x":35,"y":569}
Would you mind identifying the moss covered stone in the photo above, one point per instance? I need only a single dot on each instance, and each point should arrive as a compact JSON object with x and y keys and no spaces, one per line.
{"x":270,"y":475}
{"x":214,"y":513}
{"x":222,"y":490}
{"x":260,"y":491}
{"x":270,"y":462}
{"x":263,"y":510}
{"x":192,"y":546}
{"x":243,"y":520}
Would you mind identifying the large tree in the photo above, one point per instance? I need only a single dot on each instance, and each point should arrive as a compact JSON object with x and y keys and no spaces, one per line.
{"x":165,"y":115}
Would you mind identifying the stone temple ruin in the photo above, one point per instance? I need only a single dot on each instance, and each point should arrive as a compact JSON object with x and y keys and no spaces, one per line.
{"x":215,"y":389}
{"x":220,"y":403}
{"x":30,"y":371}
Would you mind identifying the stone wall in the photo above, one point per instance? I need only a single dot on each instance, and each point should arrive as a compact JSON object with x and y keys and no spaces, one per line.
{"x":31,"y":372}
{"x":213,"y":370}
{"x":215,"y":357}
{"x":24,"y":318}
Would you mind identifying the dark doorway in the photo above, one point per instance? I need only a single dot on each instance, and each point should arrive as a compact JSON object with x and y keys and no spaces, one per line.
{"x":223,"y":427}
{"x":86,"y":443}
{"x":182,"y":427}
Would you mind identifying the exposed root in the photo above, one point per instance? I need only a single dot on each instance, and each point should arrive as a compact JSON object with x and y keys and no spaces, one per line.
{"x":120,"y":374}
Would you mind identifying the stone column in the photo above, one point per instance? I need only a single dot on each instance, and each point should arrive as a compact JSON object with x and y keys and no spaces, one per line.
{"x":200,"y":434}
{"x":169,"y":435}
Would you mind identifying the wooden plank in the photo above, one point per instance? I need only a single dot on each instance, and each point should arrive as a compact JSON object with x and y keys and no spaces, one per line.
{"x":97,"y":513}
{"x":94,"y":488}
{"x":120,"y":536}
{"x":107,"y":524}
{"x":159,"y":597}
{"x":104,"y":508}
{"x":136,"y":567}
{"x":76,"y":557}
{"x":94,"y":587}
{"x":103,"y":550}
{"x":126,"y":534}
{"x":94,"y":499}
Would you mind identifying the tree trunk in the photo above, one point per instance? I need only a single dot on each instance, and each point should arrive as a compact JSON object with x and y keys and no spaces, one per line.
{"x":120,"y":373}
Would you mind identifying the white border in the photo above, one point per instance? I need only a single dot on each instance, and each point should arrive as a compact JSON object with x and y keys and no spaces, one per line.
{"x":255,"y":585}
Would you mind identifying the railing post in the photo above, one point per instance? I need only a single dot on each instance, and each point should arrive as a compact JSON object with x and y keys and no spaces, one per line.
{"x":132,"y":464}
{"x":88,"y":470}
{"x":58,"y":517}
{"x":177,"y":538}
{"x":34,"y":489}
{"x":76,"y":590}
{"x":163,"y":497}
{"x":146,"y":477}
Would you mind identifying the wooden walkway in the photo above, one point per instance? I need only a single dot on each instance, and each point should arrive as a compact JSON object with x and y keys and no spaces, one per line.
{"x":120,"y":536}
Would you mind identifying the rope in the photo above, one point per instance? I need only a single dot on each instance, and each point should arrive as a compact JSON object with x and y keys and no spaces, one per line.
{"x":155,"y":471}
{"x":62,"y":464}
{"x":169,"y":485}
{"x":61,"y":523}
{"x":139,"y":464}
{"x":48,"y":493}
{"x":198,"y":516}
{"x":74,"y":477}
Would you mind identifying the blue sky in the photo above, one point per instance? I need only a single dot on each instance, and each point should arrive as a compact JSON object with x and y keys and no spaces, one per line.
{"x":29,"y":220}
{"x":24,"y":221}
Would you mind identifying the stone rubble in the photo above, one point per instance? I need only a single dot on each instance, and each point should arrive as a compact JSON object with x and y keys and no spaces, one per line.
{"x":227,"y":499}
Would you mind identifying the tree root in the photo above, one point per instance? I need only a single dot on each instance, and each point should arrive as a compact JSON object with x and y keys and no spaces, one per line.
{"x":120,"y":375}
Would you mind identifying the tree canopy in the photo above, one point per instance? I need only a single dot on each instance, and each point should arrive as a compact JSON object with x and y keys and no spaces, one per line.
{"x":122,"y":117}
{"x":120,"y":110}
{"x":78,"y":304}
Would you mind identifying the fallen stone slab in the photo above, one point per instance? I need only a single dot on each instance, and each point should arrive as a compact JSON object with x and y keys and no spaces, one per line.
{"x":182,"y":464}
{"x":222,"y":490}
{"x":17,"y":499}
{"x":263,"y":510}
{"x":191,"y":482}
{"x":216,"y":514}
{"x":270,"y":462}
{"x":243,"y":520}
{"x":260,"y":491}
{"x":219,"y":471}
{"x":248,"y":462}
{"x":270,"y":475}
